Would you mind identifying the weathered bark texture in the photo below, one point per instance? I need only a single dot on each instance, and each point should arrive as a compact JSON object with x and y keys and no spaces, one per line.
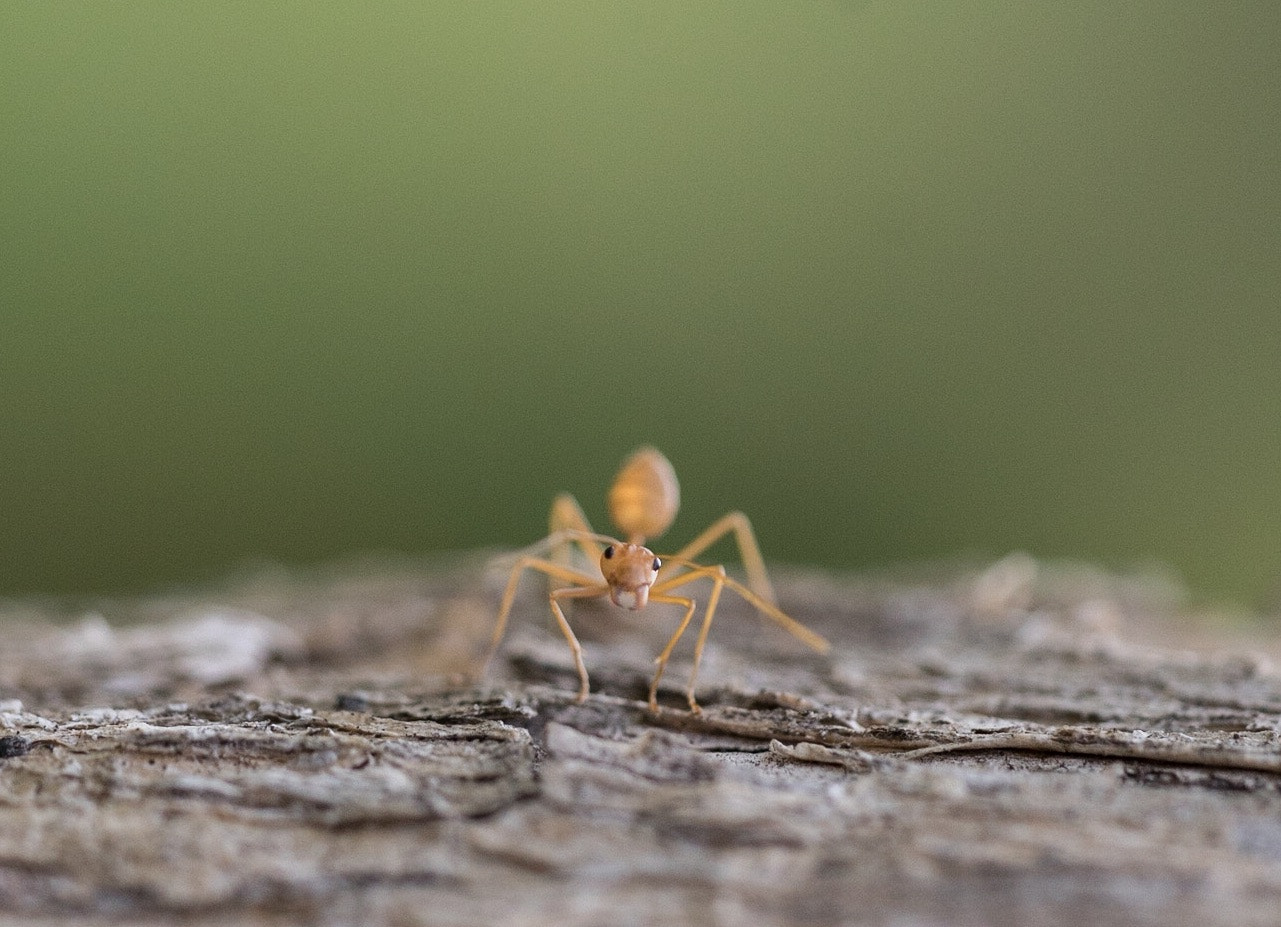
{"x":1017,"y":746}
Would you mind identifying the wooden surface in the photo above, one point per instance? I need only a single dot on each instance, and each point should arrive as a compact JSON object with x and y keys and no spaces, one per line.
{"x":1012,"y":746}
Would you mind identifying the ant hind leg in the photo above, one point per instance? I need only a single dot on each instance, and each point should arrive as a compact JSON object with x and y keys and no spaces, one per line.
{"x":750,"y":552}
{"x":566,"y":518}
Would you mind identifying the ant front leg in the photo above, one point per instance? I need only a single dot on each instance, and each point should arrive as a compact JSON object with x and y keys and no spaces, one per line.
{"x":717,"y":575}
{"x":663,"y":657}
{"x":585,"y":592}
{"x":585,"y":586}
{"x":748,"y":550}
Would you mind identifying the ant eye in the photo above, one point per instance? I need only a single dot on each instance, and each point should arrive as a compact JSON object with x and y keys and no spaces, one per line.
{"x":658,"y":564}
{"x":609,"y":551}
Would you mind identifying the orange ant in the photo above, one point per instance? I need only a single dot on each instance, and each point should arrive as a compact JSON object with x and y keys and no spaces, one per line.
{"x":642,"y":503}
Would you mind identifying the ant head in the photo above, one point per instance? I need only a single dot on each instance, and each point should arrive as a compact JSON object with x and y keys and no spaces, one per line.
{"x":630,"y":570}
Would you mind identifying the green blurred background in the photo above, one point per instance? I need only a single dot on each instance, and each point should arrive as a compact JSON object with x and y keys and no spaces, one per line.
{"x":282,"y":281}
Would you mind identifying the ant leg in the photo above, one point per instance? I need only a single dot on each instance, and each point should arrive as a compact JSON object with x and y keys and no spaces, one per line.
{"x":566,"y":520}
{"x":554,"y":570}
{"x":748,"y":549}
{"x":575,"y":648}
{"x":663,"y":657}
{"x":719,"y":579}
{"x":568,"y":527}
{"x":769,"y":609}
{"x":717,"y":576}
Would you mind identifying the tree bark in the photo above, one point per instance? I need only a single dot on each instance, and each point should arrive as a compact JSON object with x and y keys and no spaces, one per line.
{"x":1010,"y":746}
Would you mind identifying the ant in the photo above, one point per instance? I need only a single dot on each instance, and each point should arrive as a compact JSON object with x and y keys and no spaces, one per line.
{"x":643,"y":502}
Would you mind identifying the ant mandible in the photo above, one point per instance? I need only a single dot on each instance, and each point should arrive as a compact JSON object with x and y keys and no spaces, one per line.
{"x":642,"y":503}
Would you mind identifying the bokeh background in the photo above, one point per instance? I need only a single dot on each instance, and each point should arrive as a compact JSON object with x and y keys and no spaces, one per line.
{"x":285,"y":281}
